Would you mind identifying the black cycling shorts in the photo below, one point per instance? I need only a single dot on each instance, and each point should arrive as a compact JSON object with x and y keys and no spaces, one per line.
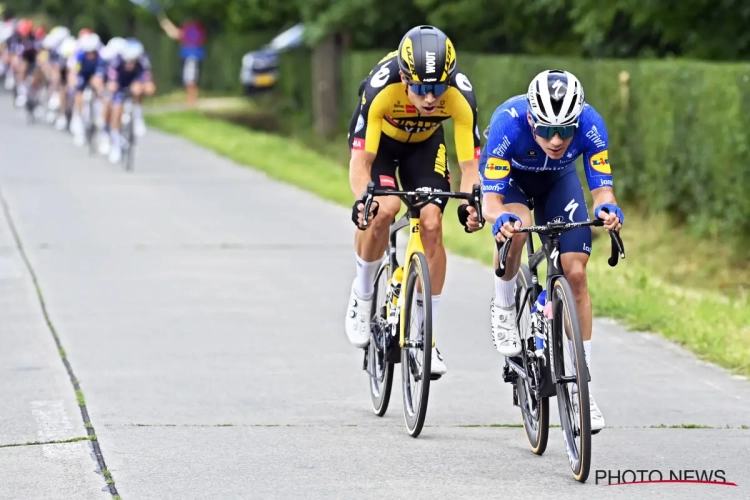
{"x":417,"y":164}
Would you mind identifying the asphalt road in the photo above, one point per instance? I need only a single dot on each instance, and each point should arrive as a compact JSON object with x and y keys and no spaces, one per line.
{"x":200,"y":306}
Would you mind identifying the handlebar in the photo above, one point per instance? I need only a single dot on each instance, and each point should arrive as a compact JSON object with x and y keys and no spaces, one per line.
{"x":421,"y":198}
{"x":556,"y":229}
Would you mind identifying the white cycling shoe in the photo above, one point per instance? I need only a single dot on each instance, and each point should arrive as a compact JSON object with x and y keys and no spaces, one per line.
{"x":437,"y":367}
{"x":358,"y":320}
{"x":597,"y":419}
{"x":504,"y":331}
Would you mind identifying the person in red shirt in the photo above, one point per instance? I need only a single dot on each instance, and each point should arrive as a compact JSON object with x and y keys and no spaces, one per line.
{"x":192,"y":38}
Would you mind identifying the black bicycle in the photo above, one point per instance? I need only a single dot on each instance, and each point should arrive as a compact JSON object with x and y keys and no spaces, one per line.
{"x":401,"y":322}
{"x":547,"y":365}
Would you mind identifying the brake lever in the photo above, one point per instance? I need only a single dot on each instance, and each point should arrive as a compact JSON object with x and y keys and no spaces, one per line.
{"x":476,"y":202}
{"x":368,"y":202}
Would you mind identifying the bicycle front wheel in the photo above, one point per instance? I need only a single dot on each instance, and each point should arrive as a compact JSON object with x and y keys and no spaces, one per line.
{"x":571,"y":372}
{"x":379,"y":368}
{"x":416,"y":355}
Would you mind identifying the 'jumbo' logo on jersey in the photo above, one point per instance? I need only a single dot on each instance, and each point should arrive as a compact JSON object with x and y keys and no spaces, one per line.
{"x":600,"y":162}
{"x":412,"y":126}
{"x":593,"y":136}
{"x":430,"y":57}
{"x":496,"y":169}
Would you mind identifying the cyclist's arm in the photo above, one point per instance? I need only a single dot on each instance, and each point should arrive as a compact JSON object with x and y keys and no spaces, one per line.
{"x":596,"y":161}
{"x":495,"y":170}
{"x":466,"y":133}
{"x":366,"y":140}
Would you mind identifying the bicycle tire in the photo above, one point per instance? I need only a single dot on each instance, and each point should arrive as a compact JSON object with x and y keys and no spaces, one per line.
{"x":91,"y":127}
{"x":414,"y":418}
{"x":380,"y":370}
{"x":130,"y":141}
{"x":538,"y":436}
{"x":579,"y":457}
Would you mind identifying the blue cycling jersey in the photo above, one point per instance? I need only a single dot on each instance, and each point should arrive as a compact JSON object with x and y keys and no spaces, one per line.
{"x":511,"y":145}
{"x":86,"y":66}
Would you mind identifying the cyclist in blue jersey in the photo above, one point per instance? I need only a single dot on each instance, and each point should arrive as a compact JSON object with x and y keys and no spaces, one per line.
{"x":88,"y":64}
{"x":532,"y":144}
{"x":109,"y":54}
{"x":129,"y":72}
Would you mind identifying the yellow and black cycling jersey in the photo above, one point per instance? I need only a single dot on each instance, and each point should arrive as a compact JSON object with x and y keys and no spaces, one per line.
{"x":385,"y":108}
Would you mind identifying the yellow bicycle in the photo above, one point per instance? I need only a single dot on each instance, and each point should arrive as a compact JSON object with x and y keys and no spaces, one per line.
{"x":395,"y":287}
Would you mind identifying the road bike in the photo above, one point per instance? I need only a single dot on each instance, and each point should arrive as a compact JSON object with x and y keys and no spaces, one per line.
{"x":547,"y":365}
{"x":400,"y":334}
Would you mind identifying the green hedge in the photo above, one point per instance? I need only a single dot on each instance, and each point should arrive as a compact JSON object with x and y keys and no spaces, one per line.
{"x":678,"y":144}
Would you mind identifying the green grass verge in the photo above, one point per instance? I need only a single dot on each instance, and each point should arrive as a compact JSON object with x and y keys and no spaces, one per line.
{"x":644,"y":291}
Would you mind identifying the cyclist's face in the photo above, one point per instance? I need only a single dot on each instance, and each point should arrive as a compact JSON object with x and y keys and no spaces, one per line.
{"x":554,"y":148}
{"x":426,"y":105}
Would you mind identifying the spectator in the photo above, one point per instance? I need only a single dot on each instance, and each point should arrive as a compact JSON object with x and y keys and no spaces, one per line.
{"x":192,"y":37}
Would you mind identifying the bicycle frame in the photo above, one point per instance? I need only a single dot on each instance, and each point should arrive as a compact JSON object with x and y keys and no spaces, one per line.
{"x":413,"y":246}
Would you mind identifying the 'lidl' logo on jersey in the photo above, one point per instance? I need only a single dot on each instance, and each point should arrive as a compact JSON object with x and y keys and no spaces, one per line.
{"x":600,"y":162}
{"x":496,"y":169}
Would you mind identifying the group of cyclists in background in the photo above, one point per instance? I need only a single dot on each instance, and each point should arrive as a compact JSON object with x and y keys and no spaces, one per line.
{"x":49,"y":73}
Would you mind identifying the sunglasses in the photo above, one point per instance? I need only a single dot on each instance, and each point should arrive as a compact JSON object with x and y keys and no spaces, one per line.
{"x":549,"y":131}
{"x":423,"y":89}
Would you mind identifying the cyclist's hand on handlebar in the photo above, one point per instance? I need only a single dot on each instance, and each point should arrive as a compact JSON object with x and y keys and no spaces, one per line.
{"x":467,"y":216}
{"x":357,"y":208}
{"x":611,"y":215}
{"x":506,"y":226}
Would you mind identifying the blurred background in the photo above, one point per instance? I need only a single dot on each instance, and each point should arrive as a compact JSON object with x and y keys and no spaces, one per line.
{"x":670,"y":79}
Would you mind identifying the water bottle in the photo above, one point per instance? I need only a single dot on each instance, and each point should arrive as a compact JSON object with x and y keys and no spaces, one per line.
{"x":538,"y":324}
{"x":395,"y":292}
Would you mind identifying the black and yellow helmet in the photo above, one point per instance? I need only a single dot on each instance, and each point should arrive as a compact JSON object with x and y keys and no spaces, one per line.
{"x":426,"y":55}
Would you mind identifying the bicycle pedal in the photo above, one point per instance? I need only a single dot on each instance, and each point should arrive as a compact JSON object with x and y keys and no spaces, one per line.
{"x":509,"y":376}
{"x":435,"y":376}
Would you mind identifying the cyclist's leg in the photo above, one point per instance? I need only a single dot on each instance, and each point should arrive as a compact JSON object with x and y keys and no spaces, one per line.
{"x":106,"y":97}
{"x":502,"y":307}
{"x":566,"y":200}
{"x":76,"y":121}
{"x":426,"y":168}
{"x":369,"y":246}
{"x":143,"y":86}
{"x":118,"y":97}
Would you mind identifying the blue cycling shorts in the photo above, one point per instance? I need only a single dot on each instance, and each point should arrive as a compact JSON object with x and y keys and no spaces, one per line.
{"x":556,"y":197}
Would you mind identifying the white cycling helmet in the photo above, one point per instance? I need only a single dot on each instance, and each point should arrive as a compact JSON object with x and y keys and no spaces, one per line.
{"x":90,"y":42}
{"x":555,"y":97}
{"x":68,"y":47}
{"x":132,"y":50}
{"x":116,"y":44}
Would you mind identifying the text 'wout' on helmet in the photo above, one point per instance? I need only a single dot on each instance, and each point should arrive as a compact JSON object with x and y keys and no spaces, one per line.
{"x":426,"y":55}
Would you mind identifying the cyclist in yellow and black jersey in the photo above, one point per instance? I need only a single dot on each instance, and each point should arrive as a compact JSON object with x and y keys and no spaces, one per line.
{"x":385,"y":108}
{"x":397,"y":126}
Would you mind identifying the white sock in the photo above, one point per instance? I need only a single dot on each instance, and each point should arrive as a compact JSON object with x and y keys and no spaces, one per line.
{"x":505,"y":295}
{"x":364,"y":284}
{"x":138,"y":114}
{"x":587,"y":351}
{"x":435,"y":307}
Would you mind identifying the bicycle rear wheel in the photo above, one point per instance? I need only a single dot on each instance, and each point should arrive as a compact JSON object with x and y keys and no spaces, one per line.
{"x":571,"y":371}
{"x":128,"y":143}
{"x":534,"y":408}
{"x":378,"y":366}
{"x":416,"y":355}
